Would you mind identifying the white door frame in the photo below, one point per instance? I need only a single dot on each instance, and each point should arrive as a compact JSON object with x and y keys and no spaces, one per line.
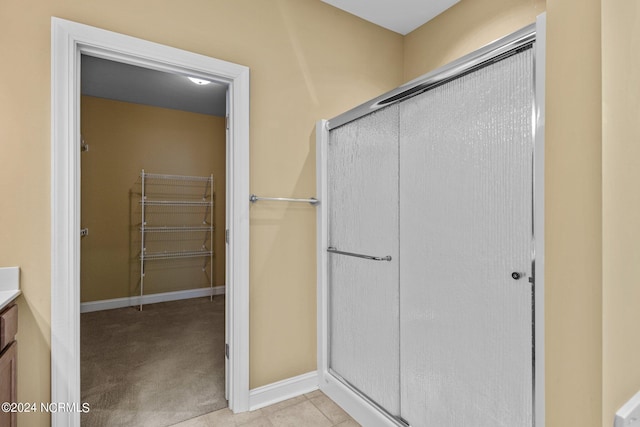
{"x":357,"y":405}
{"x":69,"y":41}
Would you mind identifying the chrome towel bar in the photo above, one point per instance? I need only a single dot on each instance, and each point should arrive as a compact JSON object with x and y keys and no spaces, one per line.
{"x":253,"y":198}
{"x":373,"y":258}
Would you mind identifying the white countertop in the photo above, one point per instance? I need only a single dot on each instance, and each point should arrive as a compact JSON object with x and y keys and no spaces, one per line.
{"x":9,"y":285}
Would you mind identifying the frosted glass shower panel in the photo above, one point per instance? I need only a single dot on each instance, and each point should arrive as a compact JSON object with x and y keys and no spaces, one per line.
{"x":466,"y":214}
{"x":363,"y":219}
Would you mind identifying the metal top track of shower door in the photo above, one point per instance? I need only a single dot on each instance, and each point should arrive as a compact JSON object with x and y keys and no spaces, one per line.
{"x":487,"y":54}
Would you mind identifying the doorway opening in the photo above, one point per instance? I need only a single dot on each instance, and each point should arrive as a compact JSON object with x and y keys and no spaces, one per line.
{"x":152,"y":240}
{"x":70,"y":41}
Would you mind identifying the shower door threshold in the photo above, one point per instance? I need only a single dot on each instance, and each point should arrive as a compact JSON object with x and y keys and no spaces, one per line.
{"x":362,"y":408}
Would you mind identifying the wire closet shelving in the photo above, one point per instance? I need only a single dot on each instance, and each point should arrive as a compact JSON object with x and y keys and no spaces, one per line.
{"x":177,"y":220}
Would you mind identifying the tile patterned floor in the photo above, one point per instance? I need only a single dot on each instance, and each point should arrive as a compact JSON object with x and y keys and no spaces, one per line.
{"x":310,"y":410}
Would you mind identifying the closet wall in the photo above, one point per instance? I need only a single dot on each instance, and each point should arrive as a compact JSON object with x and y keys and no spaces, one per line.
{"x":124,"y":138}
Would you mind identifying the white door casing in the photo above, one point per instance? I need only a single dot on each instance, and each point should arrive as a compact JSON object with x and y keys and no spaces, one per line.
{"x":69,"y":41}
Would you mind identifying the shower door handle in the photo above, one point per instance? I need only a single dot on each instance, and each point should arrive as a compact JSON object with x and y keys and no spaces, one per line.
{"x":370,"y":257}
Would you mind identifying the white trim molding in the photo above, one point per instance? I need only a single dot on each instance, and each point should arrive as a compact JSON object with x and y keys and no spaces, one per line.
{"x":69,"y":40}
{"x":282,"y":390}
{"x":322,"y":141}
{"x":538,"y":219}
{"x":136,"y":300}
{"x":355,"y":405}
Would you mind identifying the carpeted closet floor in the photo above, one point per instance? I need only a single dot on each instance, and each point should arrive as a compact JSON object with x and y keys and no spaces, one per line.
{"x":153,"y":368}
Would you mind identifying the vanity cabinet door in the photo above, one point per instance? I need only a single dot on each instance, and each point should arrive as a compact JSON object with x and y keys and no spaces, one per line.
{"x":8,"y":326}
{"x":8,"y":357}
{"x":8,"y":383}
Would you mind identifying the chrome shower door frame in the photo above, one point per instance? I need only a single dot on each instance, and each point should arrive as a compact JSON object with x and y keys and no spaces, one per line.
{"x":357,"y":405}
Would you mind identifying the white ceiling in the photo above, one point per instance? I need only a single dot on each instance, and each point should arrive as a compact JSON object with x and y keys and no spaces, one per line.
{"x":401,"y":16}
{"x":113,"y":80}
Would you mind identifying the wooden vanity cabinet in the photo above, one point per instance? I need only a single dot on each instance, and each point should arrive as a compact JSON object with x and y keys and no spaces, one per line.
{"x":8,"y":357}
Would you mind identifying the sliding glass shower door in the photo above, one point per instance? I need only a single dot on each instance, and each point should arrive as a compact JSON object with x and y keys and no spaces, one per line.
{"x":466,"y":152}
{"x":430,"y":249}
{"x":363,"y":221}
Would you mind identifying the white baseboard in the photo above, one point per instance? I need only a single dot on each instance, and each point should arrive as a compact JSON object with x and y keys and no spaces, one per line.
{"x":282,"y":390}
{"x":109,"y":304}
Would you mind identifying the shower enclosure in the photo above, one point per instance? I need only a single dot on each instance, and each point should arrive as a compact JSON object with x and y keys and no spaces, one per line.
{"x":427,"y":246}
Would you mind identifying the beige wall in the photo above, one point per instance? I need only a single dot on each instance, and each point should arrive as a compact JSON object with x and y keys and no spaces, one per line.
{"x":467,"y":26}
{"x":308,"y":61}
{"x":573,"y":300}
{"x":123,"y":139}
{"x":621,"y":203}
